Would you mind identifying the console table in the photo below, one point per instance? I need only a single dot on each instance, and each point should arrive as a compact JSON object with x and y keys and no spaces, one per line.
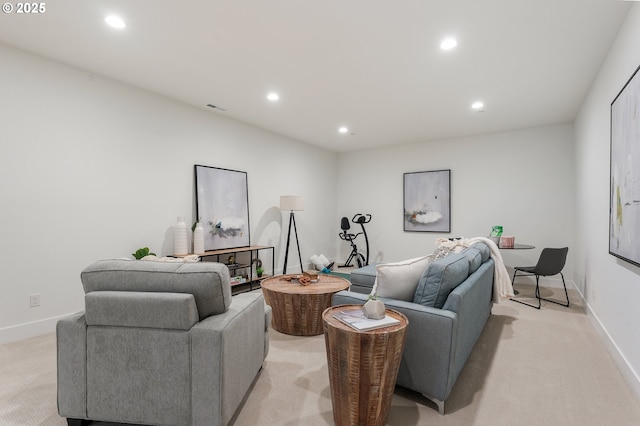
{"x":244,"y":257}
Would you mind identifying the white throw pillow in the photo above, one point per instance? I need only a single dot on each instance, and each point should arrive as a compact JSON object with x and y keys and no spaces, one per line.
{"x":399,"y":280}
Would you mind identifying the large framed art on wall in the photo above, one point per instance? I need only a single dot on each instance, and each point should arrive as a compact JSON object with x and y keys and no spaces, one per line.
{"x":222,"y":204}
{"x":427,"y":201}
{"x":624,"y":200}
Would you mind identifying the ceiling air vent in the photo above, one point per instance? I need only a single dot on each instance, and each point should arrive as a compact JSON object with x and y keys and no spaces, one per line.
{"x":216,"y":107}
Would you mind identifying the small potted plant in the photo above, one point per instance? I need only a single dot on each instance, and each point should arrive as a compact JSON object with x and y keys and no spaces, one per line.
{"x":142,"y":252}
{"x":259,"y":269}
{"x":374,"y":307}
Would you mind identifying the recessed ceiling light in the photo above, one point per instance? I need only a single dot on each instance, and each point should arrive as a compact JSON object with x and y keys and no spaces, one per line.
{"x":343,"y":130}
{"x":477,"y":106}
{"x":273,"y":96}
{"x":115,"y":21}
{"x":448,"y":43}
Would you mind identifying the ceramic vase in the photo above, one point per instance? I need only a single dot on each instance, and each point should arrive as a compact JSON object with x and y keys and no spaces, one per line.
{"x":374,"y":309}
{"x":198,"y":239}
{"x":180,"y":239}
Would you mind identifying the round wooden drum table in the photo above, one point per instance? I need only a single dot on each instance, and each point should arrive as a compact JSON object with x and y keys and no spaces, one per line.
{"x":297,"y":309}
{"x":363,"y":367}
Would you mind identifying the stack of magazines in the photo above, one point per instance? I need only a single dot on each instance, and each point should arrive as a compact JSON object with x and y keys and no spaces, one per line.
{"x":356,"y":319}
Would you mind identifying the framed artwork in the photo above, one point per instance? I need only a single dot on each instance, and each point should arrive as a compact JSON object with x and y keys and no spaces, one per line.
{"x":427,"y":201}
{"x":222,"y":203}
{"x":624,"y":199}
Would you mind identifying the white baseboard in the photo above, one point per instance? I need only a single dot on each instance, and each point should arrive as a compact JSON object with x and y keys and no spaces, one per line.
{"x":30,"y":329}
{"x":623,"y":365}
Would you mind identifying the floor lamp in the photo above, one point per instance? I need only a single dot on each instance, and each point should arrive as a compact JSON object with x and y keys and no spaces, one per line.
{"x":291,"y":203}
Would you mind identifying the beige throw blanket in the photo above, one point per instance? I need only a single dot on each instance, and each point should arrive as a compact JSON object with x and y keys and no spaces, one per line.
{"x":502,"y":286}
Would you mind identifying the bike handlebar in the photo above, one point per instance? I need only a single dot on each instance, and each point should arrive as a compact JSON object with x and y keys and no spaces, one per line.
{"x":344,"y":235}
{"x":361,"y":218}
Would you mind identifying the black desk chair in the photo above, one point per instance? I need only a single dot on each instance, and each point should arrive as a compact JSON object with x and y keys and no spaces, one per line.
{"x":550,"y":263}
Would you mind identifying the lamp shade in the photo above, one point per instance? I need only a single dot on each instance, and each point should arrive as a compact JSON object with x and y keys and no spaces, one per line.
{"x":291,"y":202}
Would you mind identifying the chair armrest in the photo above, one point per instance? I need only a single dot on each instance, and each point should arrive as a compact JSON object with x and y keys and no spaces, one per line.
{"x":71,"y":347}
{"x":227,"y":351}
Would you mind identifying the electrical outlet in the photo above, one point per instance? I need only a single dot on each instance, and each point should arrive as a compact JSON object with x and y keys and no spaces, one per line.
{"x":34,"y":300}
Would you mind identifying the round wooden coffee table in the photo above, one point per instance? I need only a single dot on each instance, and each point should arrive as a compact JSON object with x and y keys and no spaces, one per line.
{"x":363,"y":367}
{"x":297,"y":309}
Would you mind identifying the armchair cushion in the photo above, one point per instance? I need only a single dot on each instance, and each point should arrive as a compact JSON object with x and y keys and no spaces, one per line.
{"x":175,"y":311}
{"x":208,"y":282}
{"x":442,"y":276}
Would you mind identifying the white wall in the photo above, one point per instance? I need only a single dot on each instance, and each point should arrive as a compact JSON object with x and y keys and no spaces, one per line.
{"x":92,"y":169}
{"x":610,"y":286}
{"x":522,"y":180}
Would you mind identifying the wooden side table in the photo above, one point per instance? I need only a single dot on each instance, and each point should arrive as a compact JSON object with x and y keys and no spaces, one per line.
{"x":297,"y":309}
{"x":363,"y":367}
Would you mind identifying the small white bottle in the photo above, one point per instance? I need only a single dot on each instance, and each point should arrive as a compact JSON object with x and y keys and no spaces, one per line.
{"x":180,"y":238}
{"x":198,"y":239}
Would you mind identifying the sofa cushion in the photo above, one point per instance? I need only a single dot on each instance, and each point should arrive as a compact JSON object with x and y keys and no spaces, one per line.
{"x":484,"y":249}
{"x":474,"y":257}
{"x":399,"y":280}
{"x":442,"y":276}
{"x":365,"y":276}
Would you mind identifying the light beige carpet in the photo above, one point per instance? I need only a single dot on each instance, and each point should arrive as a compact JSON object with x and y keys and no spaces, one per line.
{"x":529,"y":367}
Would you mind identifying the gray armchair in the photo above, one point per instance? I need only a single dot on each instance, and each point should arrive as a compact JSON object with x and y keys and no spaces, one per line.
{"x":160,"y":343}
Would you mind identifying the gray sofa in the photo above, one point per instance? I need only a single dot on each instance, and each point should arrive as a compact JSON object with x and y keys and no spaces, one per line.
{"x":445,"y":321}
{"x":159,"y":343}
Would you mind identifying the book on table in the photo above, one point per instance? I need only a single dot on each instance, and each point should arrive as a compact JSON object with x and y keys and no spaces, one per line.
{"x":355,"y":318}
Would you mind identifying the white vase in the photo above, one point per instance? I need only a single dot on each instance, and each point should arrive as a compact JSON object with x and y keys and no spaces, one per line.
{"x":374,"y":309}
{"x":198,"y":239}
{"x":180,"y":238}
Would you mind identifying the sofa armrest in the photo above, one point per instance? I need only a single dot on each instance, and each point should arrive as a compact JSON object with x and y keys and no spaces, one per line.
{"x":227,"y":351}
{"x":71,"y":346}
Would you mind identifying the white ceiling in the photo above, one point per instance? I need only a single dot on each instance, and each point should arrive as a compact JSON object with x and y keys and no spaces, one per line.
{"x":372,"y":65}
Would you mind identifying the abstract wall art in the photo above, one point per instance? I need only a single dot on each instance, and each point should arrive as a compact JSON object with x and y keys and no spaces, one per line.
{"x":222,"y":204}
{"x":427,"y":201}
{"x":624,"y":200}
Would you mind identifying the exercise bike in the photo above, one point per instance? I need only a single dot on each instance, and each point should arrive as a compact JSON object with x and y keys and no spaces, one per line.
{"x":346,"y":236}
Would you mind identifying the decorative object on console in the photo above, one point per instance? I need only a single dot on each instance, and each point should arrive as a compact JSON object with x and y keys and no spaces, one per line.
{"x":624,"y":198}
{"x":259,"y":268}
{"x":198,"y":238}
{"x":374,"y":307}
{"x":291,"y":203}
{"x":180,"y":238}
{"x":142,"y":252}
{"x":222,"y":203}
{"x":427,"y":201}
